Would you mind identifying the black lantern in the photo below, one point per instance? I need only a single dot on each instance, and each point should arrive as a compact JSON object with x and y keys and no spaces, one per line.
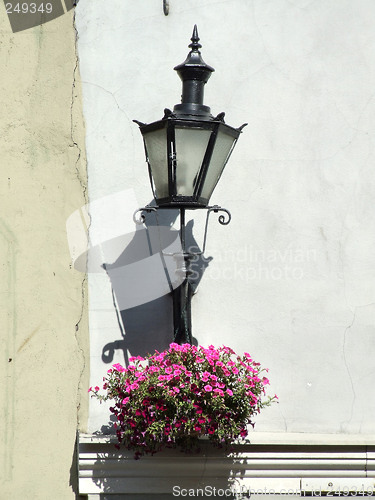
{"x":188,"y":148}
{"x":186,"y":152}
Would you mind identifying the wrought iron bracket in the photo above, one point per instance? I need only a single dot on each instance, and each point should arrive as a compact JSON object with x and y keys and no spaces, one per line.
{"x":182,"y":295}
{"x":224,"y":219}
{"x":142,"y":217}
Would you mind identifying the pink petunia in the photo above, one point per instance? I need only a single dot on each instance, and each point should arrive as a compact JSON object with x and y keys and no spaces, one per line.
{"x":219,"y":392}
{"x":119,"y":367}
{"x":208,"y":388}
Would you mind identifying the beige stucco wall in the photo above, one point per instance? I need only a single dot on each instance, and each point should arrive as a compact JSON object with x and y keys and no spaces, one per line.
{"x":43,"y":314}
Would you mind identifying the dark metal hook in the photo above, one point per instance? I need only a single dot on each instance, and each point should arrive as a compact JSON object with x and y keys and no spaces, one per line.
{"x":166,"y":7}
{"x":142,"y":218}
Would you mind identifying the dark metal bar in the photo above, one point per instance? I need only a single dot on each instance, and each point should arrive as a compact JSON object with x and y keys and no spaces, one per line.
{"x":182,"y":295}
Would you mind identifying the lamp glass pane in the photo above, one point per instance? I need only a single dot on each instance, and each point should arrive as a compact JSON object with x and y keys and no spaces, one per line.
{"x":191,"y":145}
{"x":222,"y":149}
{"x":156,"y":146}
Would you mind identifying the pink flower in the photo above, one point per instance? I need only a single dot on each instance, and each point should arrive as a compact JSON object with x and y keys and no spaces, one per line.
{"x":135,"y":358}
{"x":157,"y":388}
{"x":119,"y":367}
{"x":219,"y":392}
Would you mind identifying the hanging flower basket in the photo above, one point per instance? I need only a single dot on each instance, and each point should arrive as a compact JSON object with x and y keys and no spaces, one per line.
{"x":175,"y":397}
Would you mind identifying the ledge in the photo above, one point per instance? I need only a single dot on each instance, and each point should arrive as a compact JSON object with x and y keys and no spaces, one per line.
{"x":272,"y":461}
{"x":274,"y":438}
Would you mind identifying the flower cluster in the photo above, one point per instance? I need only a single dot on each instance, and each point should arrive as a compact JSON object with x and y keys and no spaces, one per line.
{"x":186,"y":392}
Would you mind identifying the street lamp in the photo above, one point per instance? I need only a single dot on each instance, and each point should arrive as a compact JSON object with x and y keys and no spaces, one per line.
{"x":186,"y":152}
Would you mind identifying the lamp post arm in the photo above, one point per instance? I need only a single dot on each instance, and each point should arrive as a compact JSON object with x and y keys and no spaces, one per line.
{"x":141,"y":219}
{"x":222,"y":220}
{"x":182,"y":295}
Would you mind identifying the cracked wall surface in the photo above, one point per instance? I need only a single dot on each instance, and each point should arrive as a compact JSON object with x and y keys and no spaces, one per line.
{"x":292,"y":278}
{"x":43,"y":299}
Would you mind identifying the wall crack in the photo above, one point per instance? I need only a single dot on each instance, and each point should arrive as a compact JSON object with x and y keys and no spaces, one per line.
{"x":83,"y":183}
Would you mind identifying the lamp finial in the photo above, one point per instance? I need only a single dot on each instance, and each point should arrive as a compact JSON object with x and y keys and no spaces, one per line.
{"x":194,"y":73}
{"x":195,"y":45}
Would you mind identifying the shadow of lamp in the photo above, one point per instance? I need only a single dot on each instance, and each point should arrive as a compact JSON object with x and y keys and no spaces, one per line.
{"x":186,"y":152}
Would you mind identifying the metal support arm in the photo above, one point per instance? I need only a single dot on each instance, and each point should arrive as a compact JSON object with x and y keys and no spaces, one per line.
{"x":183,"y":293}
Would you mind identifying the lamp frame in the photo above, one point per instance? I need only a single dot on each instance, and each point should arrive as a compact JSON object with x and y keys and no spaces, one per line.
{"x":171,"y":122}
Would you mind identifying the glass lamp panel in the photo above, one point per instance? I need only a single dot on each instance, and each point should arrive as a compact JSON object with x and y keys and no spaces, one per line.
{"x":156,"y":147}
{"x":222,"y":149}
{"x":191,"y":145}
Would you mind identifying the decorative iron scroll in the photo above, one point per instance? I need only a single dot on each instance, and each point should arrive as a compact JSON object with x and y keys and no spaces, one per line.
{"x":224,"y":220}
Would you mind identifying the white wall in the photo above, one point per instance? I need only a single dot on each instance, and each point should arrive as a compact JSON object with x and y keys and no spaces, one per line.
{"x":292,"y":279}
